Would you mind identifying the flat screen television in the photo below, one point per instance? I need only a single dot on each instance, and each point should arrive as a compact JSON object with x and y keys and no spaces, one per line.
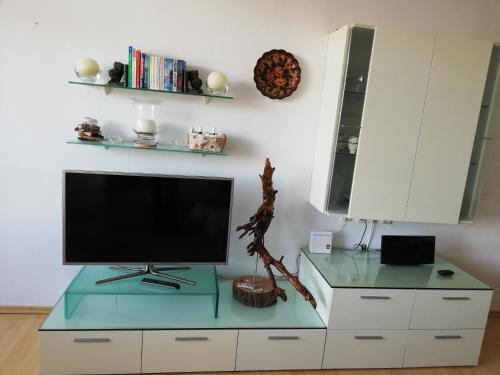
{"x":119,"y":218}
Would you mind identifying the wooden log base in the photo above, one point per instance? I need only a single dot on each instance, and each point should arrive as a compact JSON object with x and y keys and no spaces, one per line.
{"x":260,"y":294}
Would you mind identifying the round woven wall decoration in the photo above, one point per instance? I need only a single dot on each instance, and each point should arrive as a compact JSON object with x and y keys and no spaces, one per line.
{"x":277,"y":74}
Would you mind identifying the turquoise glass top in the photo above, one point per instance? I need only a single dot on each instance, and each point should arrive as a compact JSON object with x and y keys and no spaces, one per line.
{"x":84,"y":282}
{"x":352,"y":269}
{"x":146,"y":311}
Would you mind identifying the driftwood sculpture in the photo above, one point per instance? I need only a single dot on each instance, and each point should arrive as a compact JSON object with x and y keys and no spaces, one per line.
{"x":258,"y":225}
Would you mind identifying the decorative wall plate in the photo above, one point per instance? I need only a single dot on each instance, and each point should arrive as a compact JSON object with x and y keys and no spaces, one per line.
{"x":277,"y":74}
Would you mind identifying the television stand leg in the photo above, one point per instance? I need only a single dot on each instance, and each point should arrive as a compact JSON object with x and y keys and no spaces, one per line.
{"x":155,"y":272}
{"x":148,"y":270}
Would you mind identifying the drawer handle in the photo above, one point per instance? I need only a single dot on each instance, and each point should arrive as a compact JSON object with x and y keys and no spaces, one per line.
{"x":375,"y":297}
{"x":456,"y":298}
{"x":283,"y":337}
{"x":191,"y":338}
{"x":369,"y":337}
{"x":448,"y":337}
{"x":97,"y":339}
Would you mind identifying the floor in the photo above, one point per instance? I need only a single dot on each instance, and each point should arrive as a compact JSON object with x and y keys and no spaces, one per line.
{"x":19,"y":352}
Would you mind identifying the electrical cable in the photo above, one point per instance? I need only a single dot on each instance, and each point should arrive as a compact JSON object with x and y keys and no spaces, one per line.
{"x":360,"y":245}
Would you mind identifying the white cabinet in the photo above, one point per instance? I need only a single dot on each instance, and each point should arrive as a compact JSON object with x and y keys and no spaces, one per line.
{"x":414,"y":122}
{"x":377,"y":326}
{"x":188,"y":350}
{"x":90,"y":352}
{"x":449,"y":122}
{"x":271,"y":349}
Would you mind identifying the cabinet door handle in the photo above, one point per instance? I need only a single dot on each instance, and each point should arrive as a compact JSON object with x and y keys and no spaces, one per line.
{"x":375,"y":297}
{"x":369,"y":337}
{"x":194,"y":338}
{"x":92,"y":339}
{"x":456,"y":298}
{"x":448,"y":337}
{"x":283,"y":337}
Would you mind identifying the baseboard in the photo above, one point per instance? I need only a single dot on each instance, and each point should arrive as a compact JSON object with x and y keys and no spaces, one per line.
{"x":25,"y":309}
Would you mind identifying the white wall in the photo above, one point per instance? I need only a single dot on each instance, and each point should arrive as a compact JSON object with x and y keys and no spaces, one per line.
{"x":40,"y":42}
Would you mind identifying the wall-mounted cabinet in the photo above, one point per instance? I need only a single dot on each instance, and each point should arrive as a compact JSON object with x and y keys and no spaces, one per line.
{"x":415,"y":120}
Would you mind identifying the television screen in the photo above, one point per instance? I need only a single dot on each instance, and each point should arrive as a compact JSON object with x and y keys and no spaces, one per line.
{"x":117,"y":218}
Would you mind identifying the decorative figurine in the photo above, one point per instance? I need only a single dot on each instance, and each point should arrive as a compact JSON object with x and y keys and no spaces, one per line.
{"x":88,"y":130}
{"x":116,"y":74}
{"x":194,"y":81}
{"x":247,"y":288}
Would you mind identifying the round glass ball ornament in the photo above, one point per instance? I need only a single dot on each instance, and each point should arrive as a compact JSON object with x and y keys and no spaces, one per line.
{"x":217,"y":83}
{"x":87,"y":69}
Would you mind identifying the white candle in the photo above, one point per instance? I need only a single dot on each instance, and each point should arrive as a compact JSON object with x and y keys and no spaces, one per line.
{"x":87,"y":67}
{"x":145,"y":125}
{"x":217,"y":81}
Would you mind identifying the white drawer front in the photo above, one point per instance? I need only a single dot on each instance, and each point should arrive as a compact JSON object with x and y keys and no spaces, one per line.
{"x":280,"y":349}
{"x":184,"y":351}
{"x":371,"y":309}
{"x":429,"y":348}
{"x":317,"y":285}
{"x":90,"y":352}
{"x":364,"y":349}
{"x":450,"y":309}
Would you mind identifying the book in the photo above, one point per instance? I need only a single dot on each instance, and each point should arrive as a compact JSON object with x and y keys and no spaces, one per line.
{"x":146,"y":73}
{"x":174,"y":76}
{"x":125,"y":75}
{"x":141,"y":73}
{"x":132,"y":71}
{"x":137,"y":68}
{"x":168,"y":67}
{"x":129,"y":70}
{"x":181,"y":68}
{"x":161,"y":65}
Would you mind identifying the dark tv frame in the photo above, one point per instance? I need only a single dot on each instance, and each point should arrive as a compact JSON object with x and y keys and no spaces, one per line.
{"x":66,"y":263}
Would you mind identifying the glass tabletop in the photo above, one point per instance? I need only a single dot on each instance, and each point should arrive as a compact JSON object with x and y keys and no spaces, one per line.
{"x":143,"y":312}
{"x":352,"y":269}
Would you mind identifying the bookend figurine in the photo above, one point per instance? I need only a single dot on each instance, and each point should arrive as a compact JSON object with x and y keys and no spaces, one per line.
{"x":194,"y":81}
{"x":116,"y":74}
{"x":244,"y":289}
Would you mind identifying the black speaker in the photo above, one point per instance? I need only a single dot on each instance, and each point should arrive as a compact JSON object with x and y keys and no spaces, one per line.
{"x":407,"y":250}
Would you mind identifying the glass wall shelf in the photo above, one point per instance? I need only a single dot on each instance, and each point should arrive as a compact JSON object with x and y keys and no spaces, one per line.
{"x":107,"y":89}
{"x":159,"y":147}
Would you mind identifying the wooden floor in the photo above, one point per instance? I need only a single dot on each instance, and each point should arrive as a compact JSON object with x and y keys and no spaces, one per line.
{"x":19,"y":352}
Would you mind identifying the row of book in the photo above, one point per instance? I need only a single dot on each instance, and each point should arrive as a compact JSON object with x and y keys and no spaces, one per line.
{"x":155,"y":72}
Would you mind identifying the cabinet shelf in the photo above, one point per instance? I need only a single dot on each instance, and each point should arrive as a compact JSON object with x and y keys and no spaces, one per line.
{"x":345,"y":153}
{"x":107,"y":89}
{"x":159,"y":147}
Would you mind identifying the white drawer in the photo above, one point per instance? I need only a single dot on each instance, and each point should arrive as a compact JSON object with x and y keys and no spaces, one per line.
{"x":371,"y":308}
{"x":364,"y":349}
{"x":450,"y":309}
{"x":280,"y":349}
{"x":90,"y":352}
{"x":429,"y":348}
{"x":185,"y":351}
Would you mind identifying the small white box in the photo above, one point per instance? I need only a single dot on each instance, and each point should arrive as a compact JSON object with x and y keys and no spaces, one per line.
{"x":320,"y":242}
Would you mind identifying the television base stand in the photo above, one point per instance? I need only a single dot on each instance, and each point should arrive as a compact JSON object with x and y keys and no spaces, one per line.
{"x":149,"y":270}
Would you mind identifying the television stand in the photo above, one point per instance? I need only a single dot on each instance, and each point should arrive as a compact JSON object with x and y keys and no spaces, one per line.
{"x":148,"y":270}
